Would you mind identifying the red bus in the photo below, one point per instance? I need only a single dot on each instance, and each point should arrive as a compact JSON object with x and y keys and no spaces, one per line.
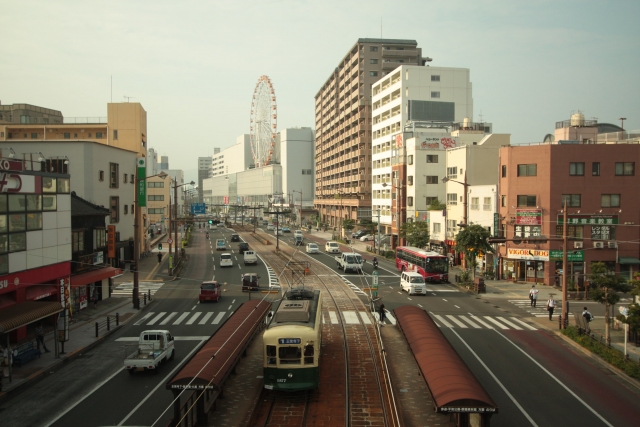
{"x":431,"y":265}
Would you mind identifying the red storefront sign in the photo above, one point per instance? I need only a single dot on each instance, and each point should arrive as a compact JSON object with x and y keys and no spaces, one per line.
{"x":529,"y":216}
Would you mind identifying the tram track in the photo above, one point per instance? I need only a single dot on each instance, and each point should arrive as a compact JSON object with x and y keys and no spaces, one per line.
{"x":348,"y":393}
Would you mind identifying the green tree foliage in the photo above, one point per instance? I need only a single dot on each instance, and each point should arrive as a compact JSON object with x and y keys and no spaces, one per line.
{"x":472,"y":241}
{"x":416,"y":233}
{"x":436,"y":205}
{"x":370,"y":226}
{"x":604,"y":286}
{"x":633,"y":317}
{"x":348,"y":224}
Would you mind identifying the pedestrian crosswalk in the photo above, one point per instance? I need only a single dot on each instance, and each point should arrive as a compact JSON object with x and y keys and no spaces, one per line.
{"x":539,"y":311}
{"x":164,"y":318}
{"x":126,"y":289}
{"x":356,"y":317}
{"x":480,"y":322}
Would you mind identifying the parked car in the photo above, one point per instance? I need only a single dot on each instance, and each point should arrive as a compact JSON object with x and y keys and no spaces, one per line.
{"x":312,"y":248}
{"x":366,"y":237}
{"x":242,"y":247}
{"x":358,"y":234}
{"x":271,"y":227}
{"x":235,"y":238}
{"x":225,"y":260}
{"x":209,"y":291}
{"x":286,"y":230}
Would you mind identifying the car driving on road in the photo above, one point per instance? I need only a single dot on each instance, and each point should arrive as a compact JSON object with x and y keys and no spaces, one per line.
{"x":225,"y":260}
{"x":312,"y":248}
{"x":332,"y":247}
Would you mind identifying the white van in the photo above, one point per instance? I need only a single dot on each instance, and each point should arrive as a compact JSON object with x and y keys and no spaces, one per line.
{"x":332,"y":247}
{"x":250,"y":257}
{"x":413,"y":283}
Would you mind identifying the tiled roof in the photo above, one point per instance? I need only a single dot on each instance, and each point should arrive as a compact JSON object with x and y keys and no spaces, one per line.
{"x":81,"y":207}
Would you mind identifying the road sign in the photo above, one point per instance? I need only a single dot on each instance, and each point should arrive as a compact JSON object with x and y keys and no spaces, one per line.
{"x":169,"y":241}
{"x":375,"y":279}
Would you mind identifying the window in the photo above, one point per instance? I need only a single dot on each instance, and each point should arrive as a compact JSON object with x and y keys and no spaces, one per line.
{"x":435,"y":78}
{"x":627,"y":168}
{"x":155,"y":198}
{"x":98,"y":135}
{"x":67,"y":135}
{"x":573,"y":231}
{"x":373,"y":61}
{"x":132,"y":211}
{"x":155,"y":184}
{"x":410,"y":201}
{"x":503,"y":201}
{"x":432,"y":179}
{"x":77,"y":241}
{"x":132,"y":181}
{"x":504,"y":171}
{"x":159,"y":211}
{"x":573,"y":200}
{"x":34,"y":135}
{"x":451,"y":225}
{"x":64,"y":186}
{"x":115,"y":134}
{"x":373,"y":48}
{"x":452,"y":172}
{"x":124,"y":178}
{"x":452,"y":198}
{"x":435,"y":94}
{"x":475,"y":203}
{"x":610,"y":201}
{"x":126,"y":209}
{"x":99,"y":238}
{"x":49,"y":202}
{"x":410,"y":180}
{"x":113,"y":175}
{"x":432,"y":158}
{"x":430,"y":200}
{"x":576,"y":169}
{"x":48,"y":185}
{"x":115,"y":209}
{"x":410,"y":159}
{"x":101,"y":175}
{"x":373,"y":73}
{"x":527,"y":201}
{"x":528,"y":170}
{"x":486,"y":206}
{"x":436,"y":227}
{"x":595,"y":168}
{"x":602,"y":232}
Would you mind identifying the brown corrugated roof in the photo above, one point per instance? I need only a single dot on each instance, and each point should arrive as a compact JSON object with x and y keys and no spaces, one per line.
{"x":21,"y":314}
{"x":227,"y":344}
{"x":451,"y":382}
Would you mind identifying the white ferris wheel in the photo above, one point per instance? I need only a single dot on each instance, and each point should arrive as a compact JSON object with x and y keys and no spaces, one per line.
{"x":264,"y":117}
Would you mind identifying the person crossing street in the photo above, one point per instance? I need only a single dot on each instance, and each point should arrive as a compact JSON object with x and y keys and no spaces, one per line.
{"x":551,"y":304}
{"x":533,"y":295}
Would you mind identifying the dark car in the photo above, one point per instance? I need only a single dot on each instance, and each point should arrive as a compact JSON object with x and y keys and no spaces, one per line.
{"x":243,"y":246}
{"x":358,"y":234}
{"x":250,"y":282}
{"x":235,"y":238}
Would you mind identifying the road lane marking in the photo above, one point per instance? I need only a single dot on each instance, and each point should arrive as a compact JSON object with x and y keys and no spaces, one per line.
{"x":390,"y":317}
{"x":526,"y":325}
{"x":155,"y":319}
{"x":455,"y":306}
{"x":194,"y":318}
{"x":444,"y":300}
{"x":218,"y":318}
{"x":492,"y":320}
{"x":420,"y":305}
{"x":168,"y":318}
{"x":469,"y":321}
{"x":181,"y":318}
{"x":443,"y":321}
{"x":205,"y":318}
{"x":513,"y":325}
{"x":482,"y":322}
{"x":456,"y":321}
{"x":146,"y":316}
{"x":194,"y":307}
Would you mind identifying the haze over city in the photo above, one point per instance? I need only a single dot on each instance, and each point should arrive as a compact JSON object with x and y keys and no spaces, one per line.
{"x":193,"y":65}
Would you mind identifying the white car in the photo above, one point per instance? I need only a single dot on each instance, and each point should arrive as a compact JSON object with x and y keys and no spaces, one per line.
{"x":332,"y":247}
{"x":413,"y":283}
{"x":278,"y":232}
{"x":225,"y":260}
{"x":366,"y":237}
{"x":297,"y":233}
{"x":312,"y":248}
{"x":270,"y":227}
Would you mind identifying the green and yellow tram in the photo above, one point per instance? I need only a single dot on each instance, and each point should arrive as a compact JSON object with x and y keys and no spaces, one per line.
{"x":292,"y":342}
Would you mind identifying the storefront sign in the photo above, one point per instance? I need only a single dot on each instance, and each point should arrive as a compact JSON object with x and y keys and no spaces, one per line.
{"x":527,"y":231}
{"x":572,"y":256}
{"x":142,"y":182}
{"x":529,"y":216}
{"x":532,"y":254}
{"x":111,"y":241}
{"x":63,"y":319}
{"x":587,"y":219}
{"x":496,"y":224}
{"x":10,"y":165}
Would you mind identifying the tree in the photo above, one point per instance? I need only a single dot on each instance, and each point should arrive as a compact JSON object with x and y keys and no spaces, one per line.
{"x":604,"y":285}
{"x":472,"y":241}
{"x":436,"y":205}
{"x":416,"y":233}
{"x":370,"y":226}
{"x":348,"y":225}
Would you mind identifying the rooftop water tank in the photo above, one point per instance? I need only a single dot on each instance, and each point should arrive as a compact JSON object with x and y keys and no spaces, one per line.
{"x":577,"y":119}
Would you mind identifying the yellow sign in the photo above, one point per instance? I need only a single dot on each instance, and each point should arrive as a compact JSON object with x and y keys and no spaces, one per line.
{"x":532,"y":254}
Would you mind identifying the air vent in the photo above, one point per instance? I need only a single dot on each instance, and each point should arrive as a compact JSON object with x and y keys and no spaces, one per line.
{"x":598,"y":245}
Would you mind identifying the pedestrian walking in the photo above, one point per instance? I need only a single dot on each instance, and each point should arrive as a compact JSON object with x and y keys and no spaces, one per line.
{"x":382,"y":314}
{"x":551,"y":304}
{"x":533,"y":295}
{"x":588,"y":317}
{"x":40,"y":338}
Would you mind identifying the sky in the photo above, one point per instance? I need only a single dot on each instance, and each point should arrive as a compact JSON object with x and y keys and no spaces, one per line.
{"x":194,"y":65}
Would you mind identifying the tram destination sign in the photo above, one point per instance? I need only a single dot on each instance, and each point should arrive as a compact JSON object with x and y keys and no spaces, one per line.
{"x":288,"y":340}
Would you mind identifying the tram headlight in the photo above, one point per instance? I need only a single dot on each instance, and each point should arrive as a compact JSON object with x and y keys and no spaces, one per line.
{"x":290,"y":375}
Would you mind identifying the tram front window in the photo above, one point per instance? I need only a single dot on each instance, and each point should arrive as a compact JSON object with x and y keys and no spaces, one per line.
{"x":289,"y":355}
{"x":308,"y":354}
{"x":271,"y":355}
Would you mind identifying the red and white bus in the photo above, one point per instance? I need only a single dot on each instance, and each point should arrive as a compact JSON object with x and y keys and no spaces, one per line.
{"x":431,"y":265}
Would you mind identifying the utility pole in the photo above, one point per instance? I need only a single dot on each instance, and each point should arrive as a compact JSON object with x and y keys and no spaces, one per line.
{"x":565,"y":310}
{"x":277,"y":214}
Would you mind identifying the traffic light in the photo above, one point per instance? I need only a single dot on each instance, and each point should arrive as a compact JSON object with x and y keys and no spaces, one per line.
{"x":210,"y":221}
{"x":159,"y":246}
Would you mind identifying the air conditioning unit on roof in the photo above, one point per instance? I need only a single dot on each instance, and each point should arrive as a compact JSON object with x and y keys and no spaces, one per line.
{"x":577,"y":245}
{"x":598,"y":245}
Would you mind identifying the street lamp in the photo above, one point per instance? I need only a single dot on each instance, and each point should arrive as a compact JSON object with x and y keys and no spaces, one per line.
{"x":136,"y":238}
{"x":464,"y":203}
{"x":171,"y":222}
{"x":398,"y":201}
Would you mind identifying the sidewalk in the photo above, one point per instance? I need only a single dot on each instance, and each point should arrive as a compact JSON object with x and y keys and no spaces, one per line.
{"x":82,"y":331}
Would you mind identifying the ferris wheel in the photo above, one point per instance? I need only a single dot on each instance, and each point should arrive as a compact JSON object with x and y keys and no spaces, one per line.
{"x":264,"y":117}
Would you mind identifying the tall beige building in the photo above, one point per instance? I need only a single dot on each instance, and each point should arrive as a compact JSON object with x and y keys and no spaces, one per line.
{"x":343,"y":125}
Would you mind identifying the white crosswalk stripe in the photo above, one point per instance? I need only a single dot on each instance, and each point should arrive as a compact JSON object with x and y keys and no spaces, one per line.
{"x":460,"y":321}
{"x":165,"y":318}
{"x":539,"y":311}
{"x":126,"y":289}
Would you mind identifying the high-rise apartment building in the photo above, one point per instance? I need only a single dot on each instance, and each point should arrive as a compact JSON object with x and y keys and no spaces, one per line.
{"x":204,"y":172}
{"x":343,"y":125}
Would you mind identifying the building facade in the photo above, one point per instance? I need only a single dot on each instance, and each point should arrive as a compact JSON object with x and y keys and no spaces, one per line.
{"x":343,"y":125}
{"x":204,"y":172}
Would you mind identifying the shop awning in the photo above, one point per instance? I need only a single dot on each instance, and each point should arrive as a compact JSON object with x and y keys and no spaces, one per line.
{"x":628,"y":260}
{"x":94,"y":276}
{"x":21,"y":314}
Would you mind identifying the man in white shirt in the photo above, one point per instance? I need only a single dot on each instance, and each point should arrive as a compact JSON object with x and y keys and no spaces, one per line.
{"x":551,"y":304}
{"x":587,"y":318}
{"x":533,"y":295}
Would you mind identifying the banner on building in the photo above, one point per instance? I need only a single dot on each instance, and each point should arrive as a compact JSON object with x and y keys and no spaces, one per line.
{"x":587,"y":219}
{"x":111,"y":241}
{"x":531,"y":254}
{"x":141,"y":182}
{"x":529,"y":216}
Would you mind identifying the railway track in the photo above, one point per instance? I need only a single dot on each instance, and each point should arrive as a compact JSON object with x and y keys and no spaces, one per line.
{"x":355,"y":387}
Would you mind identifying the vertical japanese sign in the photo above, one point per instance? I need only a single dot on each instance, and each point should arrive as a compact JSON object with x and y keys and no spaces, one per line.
{"x":63,"y":319}
{"x":141,"y":183}
{"x":496,"y":224}
{"x":111,"y":241}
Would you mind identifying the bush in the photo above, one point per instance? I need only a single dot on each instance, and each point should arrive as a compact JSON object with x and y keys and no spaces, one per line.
{"x":609,"y":354}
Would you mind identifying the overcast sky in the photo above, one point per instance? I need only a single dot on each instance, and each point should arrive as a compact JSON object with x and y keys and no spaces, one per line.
{"x":193,"y":65}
